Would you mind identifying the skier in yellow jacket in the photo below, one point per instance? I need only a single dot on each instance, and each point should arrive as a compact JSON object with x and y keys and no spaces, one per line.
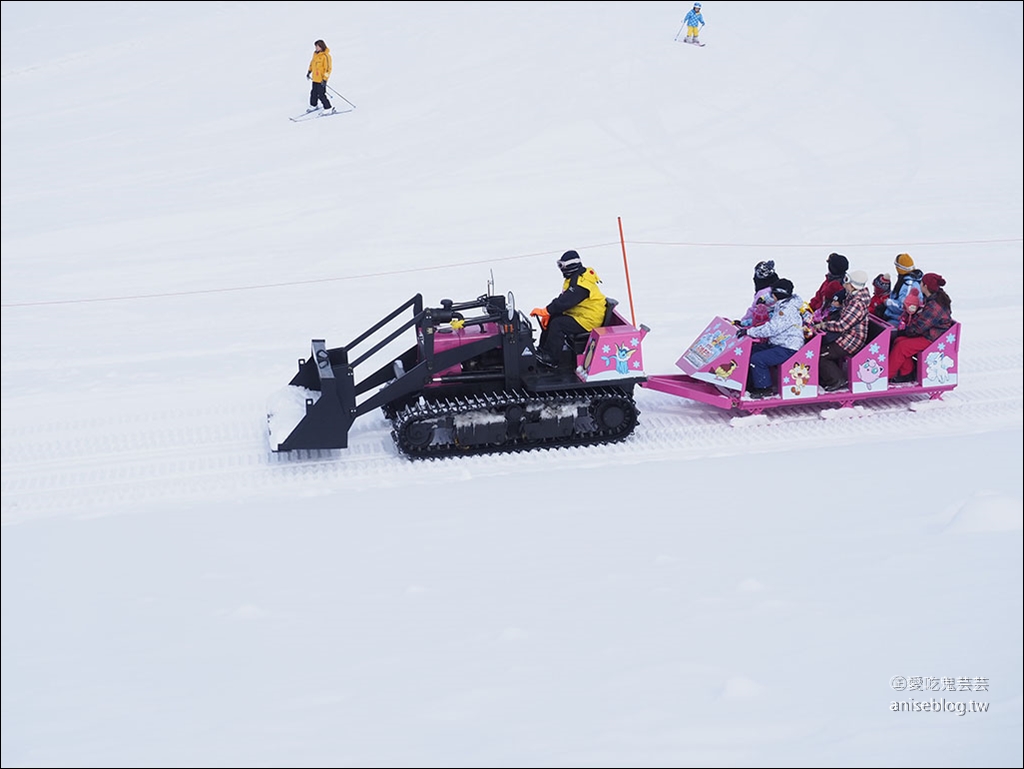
{"x":319,"y":70}
{"x":579,"y":308}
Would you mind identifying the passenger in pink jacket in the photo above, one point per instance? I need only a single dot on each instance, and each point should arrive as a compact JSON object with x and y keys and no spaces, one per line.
{"x":760,"y":309}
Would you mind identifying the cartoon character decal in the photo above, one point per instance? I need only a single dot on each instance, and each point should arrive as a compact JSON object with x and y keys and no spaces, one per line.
{"x":801,"y":375}
{"x":869,"y":372}
{"x":938,"y":365}
{"x":588,"y":356}
{"x":620,"y":359}
{"x":724,"y":371}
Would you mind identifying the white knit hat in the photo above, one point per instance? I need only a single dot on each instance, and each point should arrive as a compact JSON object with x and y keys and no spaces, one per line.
{"x":857,"y":278}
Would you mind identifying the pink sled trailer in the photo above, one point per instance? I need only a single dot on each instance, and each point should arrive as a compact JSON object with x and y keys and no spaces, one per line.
{"x":716,"y":365}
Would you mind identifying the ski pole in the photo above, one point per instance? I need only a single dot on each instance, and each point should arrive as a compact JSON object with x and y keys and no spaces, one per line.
{"x":353,"y":106}
{"x":676,"y":38}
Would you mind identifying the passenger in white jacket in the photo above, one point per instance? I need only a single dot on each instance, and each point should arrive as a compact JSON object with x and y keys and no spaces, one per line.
{"x":784,"y":334}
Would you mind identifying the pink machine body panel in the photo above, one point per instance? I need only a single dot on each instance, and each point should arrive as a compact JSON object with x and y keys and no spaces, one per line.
{"x":451,"y":338}
{"x":612,"y":352}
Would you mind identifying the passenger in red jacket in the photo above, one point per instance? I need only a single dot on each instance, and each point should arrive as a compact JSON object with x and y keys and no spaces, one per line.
{"x":833,"y":284}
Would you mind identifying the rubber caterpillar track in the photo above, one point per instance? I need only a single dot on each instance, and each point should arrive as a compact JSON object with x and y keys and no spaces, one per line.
{"x":513,"y":421}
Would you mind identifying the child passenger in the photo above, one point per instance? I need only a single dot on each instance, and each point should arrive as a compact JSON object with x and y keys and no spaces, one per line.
{"x":882,"y":284}
{"x":907,"y":277}
{"x":911,"y":305}
{"x":760,"y":308}
{"x":835,"y":311}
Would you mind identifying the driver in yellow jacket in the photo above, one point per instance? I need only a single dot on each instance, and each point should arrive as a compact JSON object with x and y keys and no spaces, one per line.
{"x":319,"y":70}
{"x":579,"y":308}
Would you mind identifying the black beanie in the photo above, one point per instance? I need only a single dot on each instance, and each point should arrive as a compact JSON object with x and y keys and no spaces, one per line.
{"x":783,"y":289}
{"x":838,"y":264}
{"x":764,"y":269}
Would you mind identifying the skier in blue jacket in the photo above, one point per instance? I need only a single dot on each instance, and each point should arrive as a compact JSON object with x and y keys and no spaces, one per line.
{"x":692,"y":20}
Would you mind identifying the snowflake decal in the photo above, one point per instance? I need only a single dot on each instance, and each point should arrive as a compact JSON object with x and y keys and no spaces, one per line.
{"x":636,"y":364}
{"x":942,"y":346}
{"x":950,"y":338}
{"x":809,"y":355}
{"x":881,"y":357}
{"x":634,"y":342}
{"x":607,"y":348}
{"x":874,"y":348}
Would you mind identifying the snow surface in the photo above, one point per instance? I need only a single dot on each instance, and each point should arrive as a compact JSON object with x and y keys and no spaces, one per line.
{"x":716,"y":591}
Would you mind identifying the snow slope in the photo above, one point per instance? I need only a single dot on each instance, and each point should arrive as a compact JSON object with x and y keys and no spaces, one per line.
{"x":715,"y":591}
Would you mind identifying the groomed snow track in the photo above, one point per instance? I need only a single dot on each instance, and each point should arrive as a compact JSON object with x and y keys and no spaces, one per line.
{"x":103,"y":465}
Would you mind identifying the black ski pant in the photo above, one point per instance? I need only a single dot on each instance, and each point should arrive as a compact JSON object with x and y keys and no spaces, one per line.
{"x":559,"y":329}
{"x":831,"y":365}
{"x":319,"y":93}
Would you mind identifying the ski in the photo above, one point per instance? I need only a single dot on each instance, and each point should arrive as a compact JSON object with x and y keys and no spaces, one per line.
{"x":317,"y":114}
{"x":304,"y":116}
{"x":690,"y":42}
